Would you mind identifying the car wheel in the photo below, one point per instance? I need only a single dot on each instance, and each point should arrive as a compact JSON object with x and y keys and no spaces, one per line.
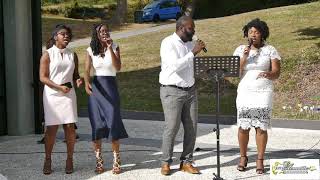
{"x":178,"y":15}
{"x":156,"y":18}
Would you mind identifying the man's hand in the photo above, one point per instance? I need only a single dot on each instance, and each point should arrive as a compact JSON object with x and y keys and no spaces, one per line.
{"x":199,"y":45}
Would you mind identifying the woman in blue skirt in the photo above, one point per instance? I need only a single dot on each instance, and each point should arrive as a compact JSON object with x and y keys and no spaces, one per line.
{"x":104,"y":102}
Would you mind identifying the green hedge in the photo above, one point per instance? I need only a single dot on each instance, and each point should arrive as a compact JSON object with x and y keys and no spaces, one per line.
{"x":220,"y":8}
{"x":83,"y":12}
{"x":77,"y":11}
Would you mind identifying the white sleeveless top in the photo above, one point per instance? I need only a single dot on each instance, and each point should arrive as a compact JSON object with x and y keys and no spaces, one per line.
{"x":60,"y":69}
{"x":103,"y":65}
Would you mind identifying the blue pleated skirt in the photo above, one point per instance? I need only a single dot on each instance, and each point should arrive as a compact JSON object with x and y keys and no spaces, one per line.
{"x":104,"y":109}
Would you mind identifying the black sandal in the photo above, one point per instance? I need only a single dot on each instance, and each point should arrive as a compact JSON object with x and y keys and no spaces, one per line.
{"x":243,"y":167}
{"x":47,"y":167}
{"x":69,"y":166}
{"x":261,"y":169}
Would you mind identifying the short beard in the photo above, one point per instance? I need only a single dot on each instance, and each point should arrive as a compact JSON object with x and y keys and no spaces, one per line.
{"x":189,"y":36}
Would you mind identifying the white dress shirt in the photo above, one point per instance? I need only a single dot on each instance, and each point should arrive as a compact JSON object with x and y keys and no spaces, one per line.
{"x":176,"y":62}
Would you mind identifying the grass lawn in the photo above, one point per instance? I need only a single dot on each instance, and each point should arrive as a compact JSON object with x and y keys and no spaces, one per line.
{"x":292,"y":29}
{"x":80,"y":28}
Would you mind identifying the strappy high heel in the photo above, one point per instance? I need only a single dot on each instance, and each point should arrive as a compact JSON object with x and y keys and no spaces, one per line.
{"x":47,"y":167}
{"x":243,"y":167}
{"x":99,"y":162}
{"x":116,"y":169}
{"x":69,"y":166}
{"x":260,"y":170}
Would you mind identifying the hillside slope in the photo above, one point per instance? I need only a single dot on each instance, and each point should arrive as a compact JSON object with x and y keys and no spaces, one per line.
{"x":294,"y":31}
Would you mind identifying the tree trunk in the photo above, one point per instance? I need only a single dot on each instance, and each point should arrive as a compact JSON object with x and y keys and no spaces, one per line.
{"x":188,"y":7}
{"x":193,"y":7}
{"x":120,"y":15}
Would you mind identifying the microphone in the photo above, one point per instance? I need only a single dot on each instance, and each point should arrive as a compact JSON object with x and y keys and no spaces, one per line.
{"x":250,"y":42}
{"x":195,"y":38}
{"x":204,"y":49}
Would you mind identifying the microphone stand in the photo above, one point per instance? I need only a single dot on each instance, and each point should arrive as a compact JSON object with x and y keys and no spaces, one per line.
{"x":216,"y":76}
{"x":216,"y":68}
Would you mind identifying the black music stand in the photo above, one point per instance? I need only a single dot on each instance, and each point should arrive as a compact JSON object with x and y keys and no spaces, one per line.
{"x":215,"y":68}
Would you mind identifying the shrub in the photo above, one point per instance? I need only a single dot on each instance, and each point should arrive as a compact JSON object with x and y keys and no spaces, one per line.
{"x":299,"y":110}
{"x":218,"y":8}
{"x":82,"y":12}
{"x":54,"y":11}
{"x":49,"y":2}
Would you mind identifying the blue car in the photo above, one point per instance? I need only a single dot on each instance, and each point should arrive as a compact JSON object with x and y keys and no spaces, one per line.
{"x":161,"y":10}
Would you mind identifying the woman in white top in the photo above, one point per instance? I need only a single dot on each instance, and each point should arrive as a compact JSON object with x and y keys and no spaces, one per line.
{"x":259,"y":66}
{"x":104,"y":100}
{"x":58,"y":73}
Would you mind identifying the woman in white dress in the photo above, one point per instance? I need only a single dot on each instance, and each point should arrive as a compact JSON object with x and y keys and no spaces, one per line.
{"x":59,"y":73}
{"x":259,"y":66}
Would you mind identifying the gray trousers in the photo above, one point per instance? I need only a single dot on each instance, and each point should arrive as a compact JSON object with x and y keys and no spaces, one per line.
{"x":179,"y":106}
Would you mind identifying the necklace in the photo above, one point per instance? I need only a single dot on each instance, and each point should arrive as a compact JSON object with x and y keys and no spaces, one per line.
{"x":102,"y":54}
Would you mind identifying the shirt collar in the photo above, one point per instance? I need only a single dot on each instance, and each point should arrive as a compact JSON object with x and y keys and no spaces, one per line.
{"x":59,"y":50}
{"x":176,"y":37}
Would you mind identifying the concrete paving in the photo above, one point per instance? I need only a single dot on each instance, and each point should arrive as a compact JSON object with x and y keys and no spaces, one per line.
{"x":22,"y":158}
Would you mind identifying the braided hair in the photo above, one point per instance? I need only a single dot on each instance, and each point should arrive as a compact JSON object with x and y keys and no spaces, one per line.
{"x":261,"y":26}
{"x":51,"y":41}
{"x":95,"y":42}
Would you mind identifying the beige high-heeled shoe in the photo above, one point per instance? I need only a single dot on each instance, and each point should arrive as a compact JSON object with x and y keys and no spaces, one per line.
{"x":116,"y":169}
{"x":99,"y":162}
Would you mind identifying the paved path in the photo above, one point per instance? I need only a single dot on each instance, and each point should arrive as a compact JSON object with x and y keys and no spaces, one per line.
{"x":119,"y":35}
{"x":122,"y":34}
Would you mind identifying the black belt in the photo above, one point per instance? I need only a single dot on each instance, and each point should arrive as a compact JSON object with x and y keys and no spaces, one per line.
{"x":174,"y":86}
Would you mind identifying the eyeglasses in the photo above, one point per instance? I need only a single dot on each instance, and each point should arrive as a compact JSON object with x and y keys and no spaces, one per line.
{"x":64,"y":34}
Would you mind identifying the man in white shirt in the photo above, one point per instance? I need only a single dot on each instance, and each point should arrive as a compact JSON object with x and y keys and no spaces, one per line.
{"x":178,"y":94}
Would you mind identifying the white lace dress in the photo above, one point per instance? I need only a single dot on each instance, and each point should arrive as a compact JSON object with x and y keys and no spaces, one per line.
{"x":254,"y":99}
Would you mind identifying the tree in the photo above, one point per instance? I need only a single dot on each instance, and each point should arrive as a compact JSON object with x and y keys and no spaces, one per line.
{"x":120,"y":15}
{"x":188,"y":7}
{"x":193,"y":7}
